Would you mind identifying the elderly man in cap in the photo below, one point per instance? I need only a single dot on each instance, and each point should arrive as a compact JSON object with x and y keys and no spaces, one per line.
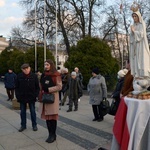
{"x":27,"y":90}
{"x":74,"y":91}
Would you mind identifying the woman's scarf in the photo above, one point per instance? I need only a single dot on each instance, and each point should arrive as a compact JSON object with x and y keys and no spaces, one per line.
{"x":52,"y":74}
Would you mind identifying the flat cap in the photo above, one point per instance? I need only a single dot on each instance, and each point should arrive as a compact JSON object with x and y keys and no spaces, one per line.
{"x":25,"y":66}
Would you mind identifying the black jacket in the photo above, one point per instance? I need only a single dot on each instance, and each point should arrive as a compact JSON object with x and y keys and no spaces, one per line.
{"x":27,"y":88}
{"x":9,"y":80}
{"x":75,"y":90}
{"x":116,"y":93}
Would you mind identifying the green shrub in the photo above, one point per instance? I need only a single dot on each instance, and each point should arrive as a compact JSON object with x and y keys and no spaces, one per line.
{"x":90,"y":53}
{"x":16,"y":58}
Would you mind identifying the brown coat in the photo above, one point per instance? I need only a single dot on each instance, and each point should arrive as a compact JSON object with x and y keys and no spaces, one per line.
{"x":52,"y":109}
{"x":128,"y":84}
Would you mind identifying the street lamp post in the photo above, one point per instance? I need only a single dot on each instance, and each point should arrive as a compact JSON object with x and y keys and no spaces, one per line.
{"x":35,"y":38}
{"x":56,"y":36}
{"x":44,"y":30}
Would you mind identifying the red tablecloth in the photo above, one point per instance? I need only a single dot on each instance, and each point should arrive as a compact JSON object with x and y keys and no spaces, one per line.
{"x":120,"y":128}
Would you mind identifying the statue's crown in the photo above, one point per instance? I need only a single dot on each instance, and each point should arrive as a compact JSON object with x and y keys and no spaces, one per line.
{"x":135,"y":6}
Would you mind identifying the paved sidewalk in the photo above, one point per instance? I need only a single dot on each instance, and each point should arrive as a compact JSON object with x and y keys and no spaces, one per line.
{"x":76,"y":130}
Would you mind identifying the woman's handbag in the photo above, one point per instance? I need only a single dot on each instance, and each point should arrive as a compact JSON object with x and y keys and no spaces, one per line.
{"x":48,"y":98}
{"x":113,"y":107}
{"x":104,"y":106}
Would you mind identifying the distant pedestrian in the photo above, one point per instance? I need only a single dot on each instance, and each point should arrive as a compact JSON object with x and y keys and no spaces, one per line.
{"x":9,"y":81}
{"x":65,"y":81}
{"x":50,"y":83}
{"x":74,"y":92}
{"x":79,"y":76}
{"x":38,"y":73}
{"x":97,"y":90}
{"x":27,"y":90}
{"x":61,"y":71}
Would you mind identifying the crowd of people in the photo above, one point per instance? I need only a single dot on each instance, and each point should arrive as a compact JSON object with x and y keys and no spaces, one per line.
{"x":30,"y":87}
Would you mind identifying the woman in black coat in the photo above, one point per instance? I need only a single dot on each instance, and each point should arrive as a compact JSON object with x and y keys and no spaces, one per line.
{"x":116,"y":93}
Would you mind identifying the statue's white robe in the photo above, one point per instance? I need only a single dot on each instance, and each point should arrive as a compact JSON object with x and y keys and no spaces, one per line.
{"x":139,"y":52}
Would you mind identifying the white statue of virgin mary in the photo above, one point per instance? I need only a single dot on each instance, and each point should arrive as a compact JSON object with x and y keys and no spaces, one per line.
{"x":139,"y":52}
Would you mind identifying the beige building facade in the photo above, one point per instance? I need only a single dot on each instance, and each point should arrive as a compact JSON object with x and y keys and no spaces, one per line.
{"x":62,"y":56}
{"x":3,"y":43}
{"x":119,"y":47}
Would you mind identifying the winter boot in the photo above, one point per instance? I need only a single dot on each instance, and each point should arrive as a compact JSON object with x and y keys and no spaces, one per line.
{"x":48,"y":123}
{"x":52,"y":136}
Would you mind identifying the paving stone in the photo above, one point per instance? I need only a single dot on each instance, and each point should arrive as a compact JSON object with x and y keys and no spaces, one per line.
{"x":76,"y":130}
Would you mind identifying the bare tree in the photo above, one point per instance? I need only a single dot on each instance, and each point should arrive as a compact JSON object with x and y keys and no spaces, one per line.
{"x":75,"y":18}
{"x":111,"y":33}
{"x":19,"y":39}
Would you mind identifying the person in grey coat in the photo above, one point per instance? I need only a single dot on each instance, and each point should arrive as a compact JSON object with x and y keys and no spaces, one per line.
{"x":97,"y":90}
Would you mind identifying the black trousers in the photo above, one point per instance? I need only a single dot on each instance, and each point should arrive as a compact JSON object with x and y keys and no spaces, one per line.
{"x":10,"y":93}
{"x":73,"y":101}
{"x":65,"y":97}
{"x":97,"y":112}
{"x":60,"y":95}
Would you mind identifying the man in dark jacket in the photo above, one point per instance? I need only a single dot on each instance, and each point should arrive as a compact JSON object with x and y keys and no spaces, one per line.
{"x":27,"y":90}
{"x":9,"y":82}
{"x":79,"y":76}
{"x":74,"y":92}
{"x":65,"y":81}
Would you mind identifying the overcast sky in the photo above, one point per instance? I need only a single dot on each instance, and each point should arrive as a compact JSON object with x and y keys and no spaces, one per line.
{"x":12,"y":14}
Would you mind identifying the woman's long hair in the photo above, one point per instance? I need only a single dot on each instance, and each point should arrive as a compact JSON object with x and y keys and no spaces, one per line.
{"x":52,"y":65}
{"x":52,"y":72}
